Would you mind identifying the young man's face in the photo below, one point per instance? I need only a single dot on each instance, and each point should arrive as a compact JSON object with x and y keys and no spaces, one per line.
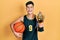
{"x":30,"y":8}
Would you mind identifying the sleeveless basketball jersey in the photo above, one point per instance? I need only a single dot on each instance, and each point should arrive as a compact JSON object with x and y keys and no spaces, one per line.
{"x":30,"y":32}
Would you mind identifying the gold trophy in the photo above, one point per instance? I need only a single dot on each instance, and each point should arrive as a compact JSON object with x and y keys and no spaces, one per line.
{"x":40,"y":17}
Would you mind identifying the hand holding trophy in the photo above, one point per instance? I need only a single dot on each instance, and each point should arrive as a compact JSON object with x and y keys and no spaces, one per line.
{"x":40,"y":17}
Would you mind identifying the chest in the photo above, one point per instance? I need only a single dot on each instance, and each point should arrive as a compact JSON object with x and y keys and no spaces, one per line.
{"x":30,"y":22}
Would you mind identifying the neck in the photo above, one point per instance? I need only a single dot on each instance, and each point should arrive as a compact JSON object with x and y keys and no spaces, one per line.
{"x":30,"y":16}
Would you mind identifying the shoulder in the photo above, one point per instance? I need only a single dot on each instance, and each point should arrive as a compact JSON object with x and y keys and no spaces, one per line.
{"x":34,"y":15}
{"x":21,"y":18}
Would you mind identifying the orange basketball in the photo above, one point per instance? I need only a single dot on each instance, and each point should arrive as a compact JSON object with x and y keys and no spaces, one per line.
{"x":19,"y":27}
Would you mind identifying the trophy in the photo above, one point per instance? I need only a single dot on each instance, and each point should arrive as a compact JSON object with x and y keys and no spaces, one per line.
{"x":40,"y":17}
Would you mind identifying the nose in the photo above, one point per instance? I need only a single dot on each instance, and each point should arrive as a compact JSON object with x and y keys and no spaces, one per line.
{"x":30,"y":9}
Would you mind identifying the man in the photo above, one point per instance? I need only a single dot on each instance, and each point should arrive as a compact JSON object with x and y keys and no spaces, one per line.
{"x":30,"y":22}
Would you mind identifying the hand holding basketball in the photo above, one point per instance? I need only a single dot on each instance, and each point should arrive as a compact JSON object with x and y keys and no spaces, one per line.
{"x":19,"y":27}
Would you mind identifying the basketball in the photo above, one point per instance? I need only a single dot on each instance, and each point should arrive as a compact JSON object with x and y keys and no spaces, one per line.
{"x":19,"y":27}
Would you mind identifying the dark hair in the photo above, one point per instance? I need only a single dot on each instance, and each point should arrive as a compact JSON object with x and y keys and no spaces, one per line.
{"x":29,"y":2}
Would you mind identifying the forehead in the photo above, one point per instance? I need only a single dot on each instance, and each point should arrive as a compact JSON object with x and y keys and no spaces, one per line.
{"x":29,"y":5}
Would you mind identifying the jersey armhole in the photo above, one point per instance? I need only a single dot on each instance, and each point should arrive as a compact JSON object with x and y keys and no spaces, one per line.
{"x":24,"y":17}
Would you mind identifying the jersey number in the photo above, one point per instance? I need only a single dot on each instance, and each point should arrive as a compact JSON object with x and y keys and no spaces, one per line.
{"x":30,"y":27}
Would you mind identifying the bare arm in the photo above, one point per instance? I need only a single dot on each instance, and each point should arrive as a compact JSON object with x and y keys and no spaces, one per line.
{"x":11,"y":25}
